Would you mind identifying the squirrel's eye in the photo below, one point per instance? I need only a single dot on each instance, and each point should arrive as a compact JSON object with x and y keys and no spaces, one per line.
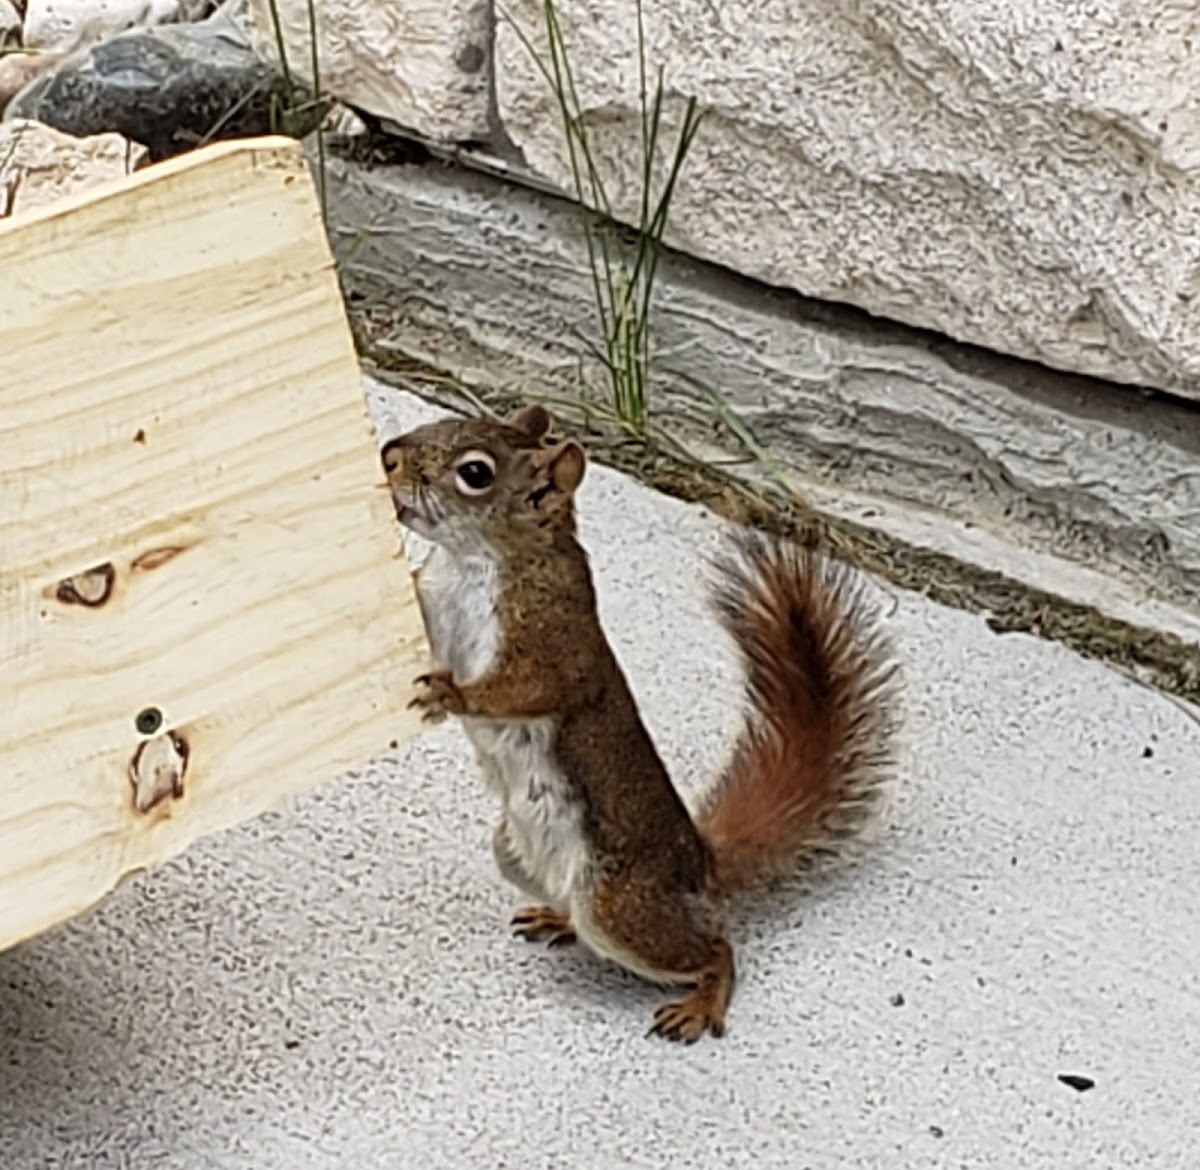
{"x":475,"y":473}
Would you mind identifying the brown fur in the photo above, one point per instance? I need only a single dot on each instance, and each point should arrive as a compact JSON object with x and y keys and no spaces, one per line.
{"x":805,"y":773}
{"x":811,"y":768}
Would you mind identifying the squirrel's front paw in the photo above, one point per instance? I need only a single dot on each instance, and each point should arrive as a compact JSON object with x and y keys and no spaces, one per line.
{"x":439,"y":697}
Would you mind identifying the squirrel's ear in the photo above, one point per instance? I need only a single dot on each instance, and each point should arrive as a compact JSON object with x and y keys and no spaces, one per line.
{"x":535,"y":421}
{"x":565,"y":466}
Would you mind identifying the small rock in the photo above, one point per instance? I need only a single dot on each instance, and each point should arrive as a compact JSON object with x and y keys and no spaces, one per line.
{"x":897,"y":1000}
{"x":10,"y":24}
{"x":72,"y":24}
{"x":936,"y":1131}
{"x":345,"y":123}
{"x":1076,"y":1082}
{"x":1147,"y":752}
{"x":17,"y":70}
{"x":39,"y":165}
{"x":170,"y":88}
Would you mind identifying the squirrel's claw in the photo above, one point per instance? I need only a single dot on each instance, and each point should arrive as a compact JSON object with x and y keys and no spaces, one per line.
{"x":440,"y":698}
{"x":686,"y":1021}
{"x":534,"y":923}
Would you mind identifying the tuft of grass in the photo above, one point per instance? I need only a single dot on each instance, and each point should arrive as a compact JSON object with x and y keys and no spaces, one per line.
{"x":622,"y":277}
{"x":315,"y":71}
{"x":294,"y":115}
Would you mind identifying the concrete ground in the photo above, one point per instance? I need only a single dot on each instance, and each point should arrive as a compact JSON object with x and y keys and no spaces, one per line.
{"x":335,"y":986}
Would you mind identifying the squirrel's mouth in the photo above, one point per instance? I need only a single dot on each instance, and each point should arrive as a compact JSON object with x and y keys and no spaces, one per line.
{"x":404,"y":501}
{"x":407,"y":512}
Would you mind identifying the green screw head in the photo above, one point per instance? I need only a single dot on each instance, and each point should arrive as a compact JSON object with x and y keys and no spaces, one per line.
{"x":149,"y":720}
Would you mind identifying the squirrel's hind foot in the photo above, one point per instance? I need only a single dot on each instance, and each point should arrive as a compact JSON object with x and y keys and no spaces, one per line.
{"x":703,"y":1010}
{"x":543,"y":923}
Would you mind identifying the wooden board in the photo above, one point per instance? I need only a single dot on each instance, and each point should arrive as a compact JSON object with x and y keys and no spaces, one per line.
{"x":204,"y":607}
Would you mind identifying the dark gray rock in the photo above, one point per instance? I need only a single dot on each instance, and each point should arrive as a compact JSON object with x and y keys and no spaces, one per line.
{"x":171,"y":88}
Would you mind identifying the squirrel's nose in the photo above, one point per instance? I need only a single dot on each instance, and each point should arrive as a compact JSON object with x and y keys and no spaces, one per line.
{"x":392,"y":456}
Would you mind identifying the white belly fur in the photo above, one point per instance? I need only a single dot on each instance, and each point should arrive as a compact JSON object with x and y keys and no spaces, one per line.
{"x":542,"y":818}
{"x":458,"y":600}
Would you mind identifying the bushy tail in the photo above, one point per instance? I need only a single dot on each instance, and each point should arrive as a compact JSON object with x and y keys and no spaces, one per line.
{"x":816,"y":754}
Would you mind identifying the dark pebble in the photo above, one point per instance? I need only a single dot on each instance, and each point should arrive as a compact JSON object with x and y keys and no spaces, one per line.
{"x":1078,"y":1083}
{"x":169,"y":87}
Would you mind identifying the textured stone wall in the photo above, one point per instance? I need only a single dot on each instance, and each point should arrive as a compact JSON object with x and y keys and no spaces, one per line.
{"x":1023,"y":176}
{"x":489,"y":283}
{"x":424,"y":64}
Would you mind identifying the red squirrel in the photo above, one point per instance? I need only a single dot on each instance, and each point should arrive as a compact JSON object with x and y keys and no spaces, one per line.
{"x":591,"y":827}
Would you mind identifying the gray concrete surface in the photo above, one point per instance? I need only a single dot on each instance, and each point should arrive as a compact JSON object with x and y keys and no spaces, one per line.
{"x":334,"y":985}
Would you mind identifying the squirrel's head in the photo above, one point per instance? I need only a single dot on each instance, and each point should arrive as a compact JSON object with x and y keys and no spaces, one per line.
{"x":471,"y":482}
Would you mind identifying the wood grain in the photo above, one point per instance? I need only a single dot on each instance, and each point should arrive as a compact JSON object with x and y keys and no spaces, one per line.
{"x":199,"y":568}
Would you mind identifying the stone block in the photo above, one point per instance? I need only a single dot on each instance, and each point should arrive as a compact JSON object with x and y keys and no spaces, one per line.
{"x":70,"y":24}
{"x":422,"y":64}
{"x":1076,"y":487}
{"x":1024,"y":177}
